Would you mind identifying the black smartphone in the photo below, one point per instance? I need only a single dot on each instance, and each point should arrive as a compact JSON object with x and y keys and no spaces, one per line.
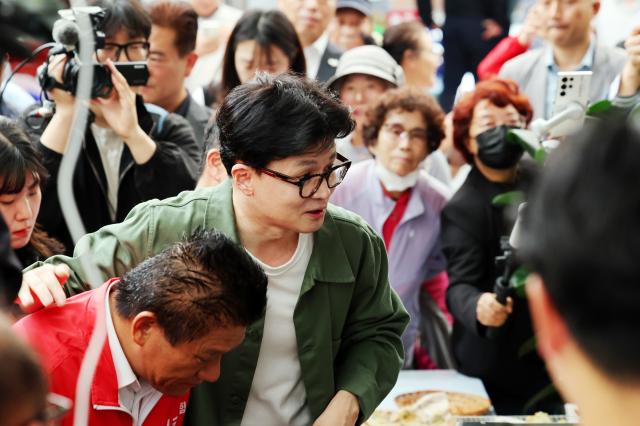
{"x":136,"y":73}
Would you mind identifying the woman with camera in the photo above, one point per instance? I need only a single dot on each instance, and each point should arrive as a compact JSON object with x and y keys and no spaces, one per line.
{"x":131,"y":152}
{"x":489,"y":338}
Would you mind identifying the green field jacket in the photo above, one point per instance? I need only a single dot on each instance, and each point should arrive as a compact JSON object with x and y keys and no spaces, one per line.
{"x":348,"y":321}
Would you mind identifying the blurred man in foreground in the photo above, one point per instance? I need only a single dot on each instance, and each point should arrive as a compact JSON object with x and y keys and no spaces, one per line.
{"x":585,"y":295}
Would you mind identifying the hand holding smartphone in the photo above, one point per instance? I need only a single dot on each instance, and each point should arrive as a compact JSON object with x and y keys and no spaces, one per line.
{"x":572,"y":87}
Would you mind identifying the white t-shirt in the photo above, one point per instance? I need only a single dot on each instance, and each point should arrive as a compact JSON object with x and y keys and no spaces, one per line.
{"x":277,"y":394}
{"x":110,"y":146}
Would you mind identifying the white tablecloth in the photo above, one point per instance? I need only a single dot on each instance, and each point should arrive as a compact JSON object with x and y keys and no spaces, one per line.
{"x":446,"y":380}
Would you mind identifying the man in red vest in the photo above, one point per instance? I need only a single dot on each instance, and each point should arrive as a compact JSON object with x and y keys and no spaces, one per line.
{"x":169,"y":321}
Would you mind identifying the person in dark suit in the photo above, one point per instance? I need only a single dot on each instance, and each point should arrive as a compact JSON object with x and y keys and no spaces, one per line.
{"x":328,"y":62}
{"x":171,"y":59}
{"x":311,"y":19}
{"x":471,"y":30}
{"x":487,"y":336}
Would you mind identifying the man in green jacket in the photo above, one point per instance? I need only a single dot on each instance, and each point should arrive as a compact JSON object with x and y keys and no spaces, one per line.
{"x":328,"y":349}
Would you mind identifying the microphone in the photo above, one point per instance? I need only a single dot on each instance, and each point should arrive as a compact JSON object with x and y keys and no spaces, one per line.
{"x":66,"y":33}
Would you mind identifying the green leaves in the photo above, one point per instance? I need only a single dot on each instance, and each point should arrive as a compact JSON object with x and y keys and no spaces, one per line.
{"x":527,"y":347}
{"x":529,"y":142}
{"x":518,"y":281}
{"x":545,"y":393}
{"x":508,"y":198}
{"x":599,"y":107}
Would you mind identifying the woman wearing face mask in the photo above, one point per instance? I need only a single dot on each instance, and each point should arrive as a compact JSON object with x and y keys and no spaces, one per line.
{"x":472,"y":229}
{"x":21,"y":177}
{"x":398,"y":201}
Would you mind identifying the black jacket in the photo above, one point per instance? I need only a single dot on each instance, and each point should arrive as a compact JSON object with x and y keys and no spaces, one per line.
{"x":498,"y":10}
{"x":197,"y":115}
{"x":10,"y":268}
{"x":329,"y":62}
{"x":172,"y":168}
{"x":471,"y":231}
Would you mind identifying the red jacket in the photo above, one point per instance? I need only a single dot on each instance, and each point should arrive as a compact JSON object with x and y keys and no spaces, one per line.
{"x":508,"y":48}
{"x":60,"y":335}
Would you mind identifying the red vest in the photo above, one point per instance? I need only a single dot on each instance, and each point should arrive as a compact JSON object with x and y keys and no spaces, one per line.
{"x":60,"y":335}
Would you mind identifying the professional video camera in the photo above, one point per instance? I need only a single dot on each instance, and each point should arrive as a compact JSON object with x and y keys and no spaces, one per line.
{"x":66,"y":34}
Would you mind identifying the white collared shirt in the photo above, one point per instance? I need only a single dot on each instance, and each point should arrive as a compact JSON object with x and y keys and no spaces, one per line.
{"x":313,"y":54}
{"x":136,"y":397}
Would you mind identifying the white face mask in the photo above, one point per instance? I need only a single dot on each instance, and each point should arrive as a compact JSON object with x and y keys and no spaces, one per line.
{"x":393,"y":182}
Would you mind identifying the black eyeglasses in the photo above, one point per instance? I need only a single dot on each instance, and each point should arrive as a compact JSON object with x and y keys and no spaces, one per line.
{"x":309,"y":184}
{"x":134,"y":51}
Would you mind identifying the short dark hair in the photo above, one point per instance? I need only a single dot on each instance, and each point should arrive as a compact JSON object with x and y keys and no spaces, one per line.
{"x":194,"y":286}
{"x":272,"y":118}
{"x":19,"y":158}
{"x":268,"y":28}
{"x":402,"y":37}
{"x":125,"y":14}
{"x":406,"y":99}
{"x":582,"y":235}
{"x":180,"y":16}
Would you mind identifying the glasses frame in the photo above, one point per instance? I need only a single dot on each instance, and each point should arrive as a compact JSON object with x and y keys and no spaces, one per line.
{"x":121,"y":47}
{"x":405,"y":133}
{"x":299,"y":182}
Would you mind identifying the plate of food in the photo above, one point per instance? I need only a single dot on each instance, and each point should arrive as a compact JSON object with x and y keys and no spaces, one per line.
{"x":460,"y":404}
{"x":429,"y":408}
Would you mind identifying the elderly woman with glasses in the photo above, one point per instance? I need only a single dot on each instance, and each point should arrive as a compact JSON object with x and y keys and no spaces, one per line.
{"x":399,"y":201}
{"x":328,"y":348}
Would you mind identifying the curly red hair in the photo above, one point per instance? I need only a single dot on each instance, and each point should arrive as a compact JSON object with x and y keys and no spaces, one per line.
{"x":501,"y":92}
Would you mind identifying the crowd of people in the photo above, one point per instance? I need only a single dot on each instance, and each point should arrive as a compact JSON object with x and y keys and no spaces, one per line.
{"x":284,"y":217}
